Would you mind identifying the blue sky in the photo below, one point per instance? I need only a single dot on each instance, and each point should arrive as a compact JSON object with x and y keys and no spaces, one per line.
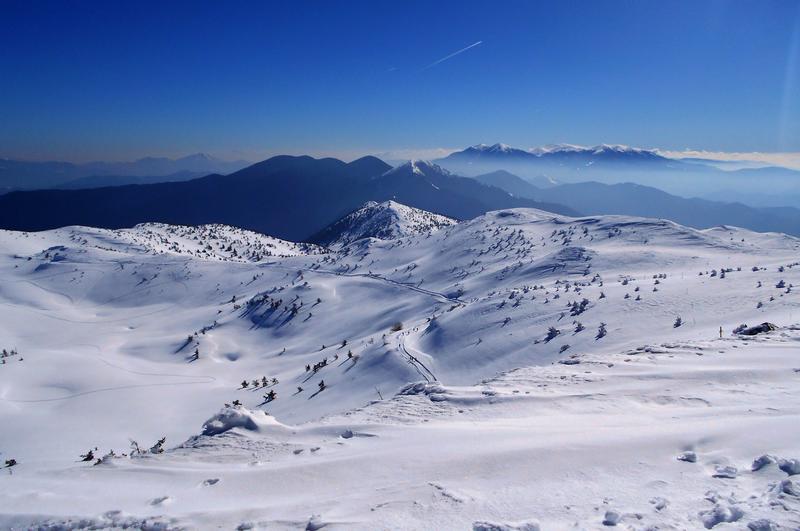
{"x":114,"y":80}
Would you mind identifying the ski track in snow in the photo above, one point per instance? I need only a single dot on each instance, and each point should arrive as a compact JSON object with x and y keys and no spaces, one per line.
{"x":434,"y":294}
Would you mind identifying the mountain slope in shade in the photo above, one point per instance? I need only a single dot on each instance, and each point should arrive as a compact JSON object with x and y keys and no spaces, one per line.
{"x":385,"y":221}
{"x":426,"y":185}
{"x":288,"y":197}
{"x":291,"y":198}
{"x":515,"y":185}
{"x":102,"y":181}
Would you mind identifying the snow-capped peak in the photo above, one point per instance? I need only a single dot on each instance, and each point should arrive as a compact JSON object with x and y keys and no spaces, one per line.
{"x":385,"y":221}
{"x":493,"y":148}
{"x":620,"y":148}
{"x":556,"y":148}
{"x":594,"y":150}
{"x":600,"y":149}
{"x":418,"y":167}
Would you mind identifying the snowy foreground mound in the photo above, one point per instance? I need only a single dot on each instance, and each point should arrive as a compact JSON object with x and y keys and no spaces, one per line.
{"x":516,"y":371}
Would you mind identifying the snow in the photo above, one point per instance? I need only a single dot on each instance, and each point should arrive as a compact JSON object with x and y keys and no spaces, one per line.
{"x":386,"y":221}
{"x":237,"y":417}
{"x":446,"y":403}
{"x":417,"y":167}
{"x":595,"y":150}
{"x":493,"y":148}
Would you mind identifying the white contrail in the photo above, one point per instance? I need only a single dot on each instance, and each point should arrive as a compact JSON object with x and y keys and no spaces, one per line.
{"x":445,"y":58}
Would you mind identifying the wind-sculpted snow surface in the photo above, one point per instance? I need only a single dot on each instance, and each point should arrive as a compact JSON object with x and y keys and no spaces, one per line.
{"x":516,"y":371}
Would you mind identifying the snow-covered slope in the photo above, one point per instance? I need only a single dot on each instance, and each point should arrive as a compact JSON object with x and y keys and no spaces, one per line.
{"x":385,"y":221}
{"x":599,"y":149}
{"x":207,"y":242}
{"x":516,"y":367}
{"x":422,"y":168}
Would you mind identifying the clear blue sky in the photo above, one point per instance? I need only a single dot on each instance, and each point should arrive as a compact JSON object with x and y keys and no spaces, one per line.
{"x":119,"y":80}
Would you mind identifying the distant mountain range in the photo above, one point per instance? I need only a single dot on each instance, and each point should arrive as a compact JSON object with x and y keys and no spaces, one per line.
{"x":288,"y":197}
{"x":295,"y":198}
{"x":543,"y":167}
{"x":592,"y":198}
{"x":29,"y":175}
{"x":100,"y":181}
{"x":618,"y":164}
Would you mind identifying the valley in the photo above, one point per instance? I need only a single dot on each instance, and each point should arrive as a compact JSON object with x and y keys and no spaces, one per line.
{"x":444,"y":375}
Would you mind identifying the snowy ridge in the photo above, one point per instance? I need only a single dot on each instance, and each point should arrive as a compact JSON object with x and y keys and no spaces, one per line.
{"x":582,"y":352}
{"x":549,"y":149}
{"x":595,"y":150}
{"x":494,"y":148}
{"x":417,"y":167}
{"x":209,"y":242}
{"x":385,"y":221}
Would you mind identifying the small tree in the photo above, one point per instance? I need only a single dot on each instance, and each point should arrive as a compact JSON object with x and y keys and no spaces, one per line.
{"x":88,"y":456}
{"x":601,"y":331}
{"x":158,"y":447}
{"x":678,"y":322}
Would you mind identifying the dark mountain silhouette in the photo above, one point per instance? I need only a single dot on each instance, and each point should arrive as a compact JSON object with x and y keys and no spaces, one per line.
{"x":637,"y":200}
{"x":287,"y":197}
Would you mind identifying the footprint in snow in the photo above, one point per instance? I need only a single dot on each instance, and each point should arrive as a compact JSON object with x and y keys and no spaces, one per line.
{"x":161,"y":500}
{"x":689,"y":457}
{"x":762,"y":461}
{"x":790,"y":466}
{"x":315,"y":523}
{"x":762,"y":524}
{"x":787,"y":486}
{"x":611,"y":518}
{"x":659,"y":503}
{"x":720,"y":513}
